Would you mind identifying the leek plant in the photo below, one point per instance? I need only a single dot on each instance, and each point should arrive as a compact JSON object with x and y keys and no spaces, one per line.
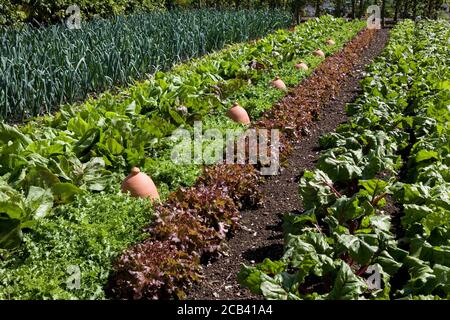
{"x":42,"y":68}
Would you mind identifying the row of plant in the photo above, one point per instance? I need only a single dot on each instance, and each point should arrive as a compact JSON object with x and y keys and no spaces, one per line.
{"x":377,"y":208}
{"x":88,"y":148}
{"x":43,"y":68}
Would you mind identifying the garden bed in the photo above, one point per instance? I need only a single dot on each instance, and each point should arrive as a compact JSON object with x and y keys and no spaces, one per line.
{"x":376,"y":207}
{"x":261,"y":236}
{"x":133,"y":279}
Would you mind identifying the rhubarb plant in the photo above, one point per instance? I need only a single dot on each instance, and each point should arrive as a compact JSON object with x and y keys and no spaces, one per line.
{"x":376,"y":223}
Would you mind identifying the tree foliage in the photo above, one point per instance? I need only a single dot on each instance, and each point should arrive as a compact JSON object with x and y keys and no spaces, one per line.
{"x":50,"y":11}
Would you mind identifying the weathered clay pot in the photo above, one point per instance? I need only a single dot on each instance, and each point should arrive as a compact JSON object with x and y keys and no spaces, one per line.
{"x":238,"y":114}
{"x":279,"y":84}
{"x":138,"y":184}
{"x":319,"y":53}
{"x":331,"y":42}
{"x":302,"y":66}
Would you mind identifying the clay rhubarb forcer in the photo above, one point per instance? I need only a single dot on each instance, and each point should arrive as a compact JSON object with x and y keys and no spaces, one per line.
{"x":302,"y":66}
{"x":238,"y":114}
{"x":279,"y":84}
{"x":319,"y":53}
{"x":138,"y":184}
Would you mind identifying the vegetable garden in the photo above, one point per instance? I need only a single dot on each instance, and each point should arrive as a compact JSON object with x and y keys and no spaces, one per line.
{"x":80,"y":108}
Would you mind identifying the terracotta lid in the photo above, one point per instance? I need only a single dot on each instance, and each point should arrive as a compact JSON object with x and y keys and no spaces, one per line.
{"x":279,"y":84}
{"x":138,"y":184}
{"x":238,"y":114}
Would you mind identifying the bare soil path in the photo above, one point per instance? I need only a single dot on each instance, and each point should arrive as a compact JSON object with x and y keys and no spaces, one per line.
{"x":261,"y":233}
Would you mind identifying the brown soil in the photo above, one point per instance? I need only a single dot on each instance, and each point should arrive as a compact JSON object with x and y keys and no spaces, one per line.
{"x":261,"y":234}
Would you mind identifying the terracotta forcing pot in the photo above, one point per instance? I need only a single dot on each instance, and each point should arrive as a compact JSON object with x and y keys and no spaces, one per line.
{"x":302,"y":66}
{"x":319,"y":53}
{"x":331,"y":42}
{"x":279,"y":84}
{"x":138,"y":184}
{"x":238,"y":114}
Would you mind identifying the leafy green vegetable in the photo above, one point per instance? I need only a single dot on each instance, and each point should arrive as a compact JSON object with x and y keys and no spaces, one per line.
{"x":395,"y":147}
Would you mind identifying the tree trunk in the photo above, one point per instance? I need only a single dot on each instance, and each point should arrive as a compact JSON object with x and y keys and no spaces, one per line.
{"x":338,"y":9}
{"x":383,"y":13}
{"x":405,"y":10}
{"x":353,"y":14}
{"x":296,"y":7}
{"x":361,"y":8}
{"x":414,"y":10}
{"x":397,"y":9}
{"x":318,"y":7}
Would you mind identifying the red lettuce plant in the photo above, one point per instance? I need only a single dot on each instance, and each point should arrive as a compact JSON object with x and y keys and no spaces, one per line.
{"x":240,"y":182}
{"x":188,"y":231}
{"x":153,"y":270}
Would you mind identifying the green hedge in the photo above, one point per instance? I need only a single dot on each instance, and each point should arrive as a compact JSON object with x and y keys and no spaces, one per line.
{"x":44,"y":11}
